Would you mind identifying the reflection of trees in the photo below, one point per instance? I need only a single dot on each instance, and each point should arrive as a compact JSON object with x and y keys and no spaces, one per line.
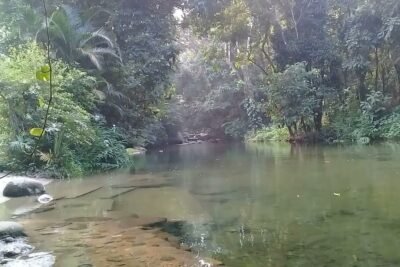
{"x":286,"y":214}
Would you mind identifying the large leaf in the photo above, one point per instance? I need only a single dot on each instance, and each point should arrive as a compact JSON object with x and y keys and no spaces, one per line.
{"x":43,"y":74}
{"x":36,"y":132}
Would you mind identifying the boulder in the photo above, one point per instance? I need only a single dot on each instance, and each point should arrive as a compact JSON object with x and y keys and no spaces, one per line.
{"x":11,"y":229}
{"x":23,"y":187}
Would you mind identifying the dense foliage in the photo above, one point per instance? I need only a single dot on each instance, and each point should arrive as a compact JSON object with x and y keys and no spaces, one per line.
{"x":111,"y":66}
{"x":326,"y":70}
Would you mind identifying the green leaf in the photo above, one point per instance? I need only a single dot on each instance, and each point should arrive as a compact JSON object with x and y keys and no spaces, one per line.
{"x":41,"y":102}
{"x":36,"y":132}
{"x":43,"y":74}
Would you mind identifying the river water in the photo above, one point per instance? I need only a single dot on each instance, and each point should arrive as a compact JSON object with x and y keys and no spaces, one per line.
{"x":262,"y":205}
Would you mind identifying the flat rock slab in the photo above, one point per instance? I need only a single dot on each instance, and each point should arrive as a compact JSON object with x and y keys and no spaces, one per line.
{"x":35,"y":208}
{"x":116,"y":192}
{"x":83,"y":191}
{"x":88,"y":219}
{"x":105,"y":204}
{"x":143,"y":184}
{"x":214,"y":191}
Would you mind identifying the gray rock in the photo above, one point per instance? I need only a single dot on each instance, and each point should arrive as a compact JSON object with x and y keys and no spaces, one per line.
{"x":8,"y":239}
{"x":41,"y":259}
{"x":12,"y":229}
{"x":23,"y":187}
{"x":17,"y":248}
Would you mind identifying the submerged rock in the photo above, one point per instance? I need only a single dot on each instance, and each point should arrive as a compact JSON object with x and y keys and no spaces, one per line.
{"x":12,"y":229}
{"x":42,"y":259}
{"x":21,"y":187}
{"x":14,"y":249}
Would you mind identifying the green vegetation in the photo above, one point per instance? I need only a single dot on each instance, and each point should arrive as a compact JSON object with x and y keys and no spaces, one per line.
{"x":73,"y":143}
{"x":293,"y":70}
{"x":110,"y":79}
{"x":269,"y":134}
{"x":326,"y":70}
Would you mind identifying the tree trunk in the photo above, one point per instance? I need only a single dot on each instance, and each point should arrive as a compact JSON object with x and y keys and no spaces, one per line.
{"x":376,"y":69}
{"x":303,"y":125}
{"x":318,"y":116}
{"x":362,"y":88}
{"x":295,"y":128}
{"x":291,"y":133}
{"x":397,"y":67}
{"x":383,"y":78}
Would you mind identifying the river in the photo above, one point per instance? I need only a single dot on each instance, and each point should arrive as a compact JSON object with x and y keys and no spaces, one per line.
{"x":258,"y":205}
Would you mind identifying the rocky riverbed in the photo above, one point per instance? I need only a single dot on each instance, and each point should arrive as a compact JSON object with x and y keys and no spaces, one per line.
{"x":81,"y":227}
{"x":15,"y":250}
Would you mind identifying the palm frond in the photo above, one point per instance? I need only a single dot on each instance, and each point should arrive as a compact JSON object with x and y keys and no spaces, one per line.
{"x":119,"y":54}
{"x":60,"y":27}
{"x":104,"y":36}
{"x":116,"y":108}
{"x":73,"y":16}
{"x":110,"y":91}
{"x":96,"y":60}
{"x":92,"y":13}
{"x":96,"y":55}
{"x":106,"y":51}
{"x":54,"y":28}
{"x":76,"y":38}
{"x":85,"y":29}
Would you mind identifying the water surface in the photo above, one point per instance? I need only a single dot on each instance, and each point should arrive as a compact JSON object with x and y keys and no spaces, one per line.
{"x":265,"y":205}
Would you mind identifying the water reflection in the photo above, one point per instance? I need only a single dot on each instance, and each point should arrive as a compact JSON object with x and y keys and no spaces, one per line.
{"x":282,"y":205}
{"x":265,"y":205}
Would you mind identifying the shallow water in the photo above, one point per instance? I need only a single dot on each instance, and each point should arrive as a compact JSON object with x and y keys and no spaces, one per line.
{"x":259,"y":205}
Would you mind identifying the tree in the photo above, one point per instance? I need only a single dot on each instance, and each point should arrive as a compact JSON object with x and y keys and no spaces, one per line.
{"x":293,"y":99}
{"x":77,"y":40}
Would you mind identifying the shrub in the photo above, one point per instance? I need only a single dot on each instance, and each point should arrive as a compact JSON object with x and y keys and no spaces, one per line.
{"x":236,"y":129}
{"x":73,"y":143}
{"x":269,"y":134}
{"x":391,"y":126}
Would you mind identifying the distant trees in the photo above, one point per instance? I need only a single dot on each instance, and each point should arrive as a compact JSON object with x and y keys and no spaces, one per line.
{"x":352,"y":46}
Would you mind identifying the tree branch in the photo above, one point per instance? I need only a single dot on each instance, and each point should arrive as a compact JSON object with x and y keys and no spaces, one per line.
{"x":269,"y":59}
